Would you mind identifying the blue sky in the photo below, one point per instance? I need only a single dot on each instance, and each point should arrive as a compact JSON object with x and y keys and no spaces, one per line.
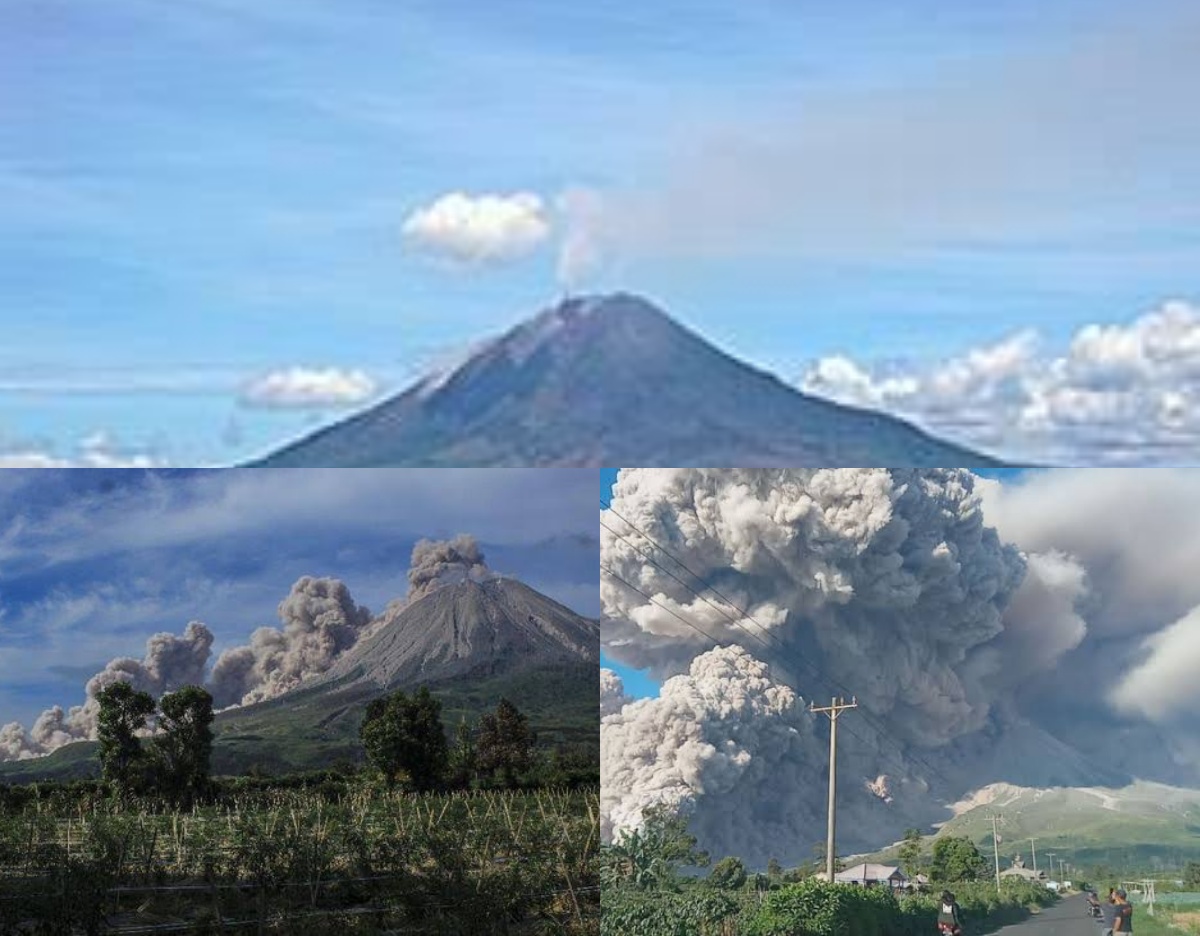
{"x":638,"y":684}
{"x":92,"y":562}
{"x":196,"y":196}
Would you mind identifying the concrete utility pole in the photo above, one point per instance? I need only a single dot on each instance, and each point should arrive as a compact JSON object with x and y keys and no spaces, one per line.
{"x":1033,"y":845}
{"x":833,"y":710}
{"x":995,"y":821}
{"x":1051,"y":854}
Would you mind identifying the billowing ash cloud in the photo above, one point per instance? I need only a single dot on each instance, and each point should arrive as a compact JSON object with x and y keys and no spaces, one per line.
{"x":319,"y":621}
{"x":721,"y":743}
{"x":612,"y":693}
{"x":886,"y":582}
{"x":440,"y":562}
{"x":170,"y":662}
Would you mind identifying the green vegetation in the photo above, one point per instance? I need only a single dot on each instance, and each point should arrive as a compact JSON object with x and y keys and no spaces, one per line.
{"x":651,"y":888}
{"x":404,"y":737}
{"x":496,"y":836}
{"x":300,"y":862}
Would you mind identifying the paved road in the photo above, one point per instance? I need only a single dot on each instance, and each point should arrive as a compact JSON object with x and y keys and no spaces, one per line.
{"x":1066,"y":918}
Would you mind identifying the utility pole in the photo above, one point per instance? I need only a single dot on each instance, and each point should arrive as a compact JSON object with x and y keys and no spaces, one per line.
{"x":1033,"y":845}
{"x":996,"y":820}
{"x":1051,"y":854}
{"x":833,"y":710}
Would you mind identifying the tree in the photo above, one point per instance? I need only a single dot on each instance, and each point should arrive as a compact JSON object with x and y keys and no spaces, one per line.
{"x":123,"y":713}
{"x":955,"y":858}
{"x":464,"y":758}
{"x":183,"y":749}
{"x":650,"y":856}
{"x":404,"y":735}
{"x":505,"y":744}
{"x":774,"y":869}
{"x":728,"y":874}
{"x":1191,"y":874}
{"x":819,"y":860}
{"x":910,"y":854}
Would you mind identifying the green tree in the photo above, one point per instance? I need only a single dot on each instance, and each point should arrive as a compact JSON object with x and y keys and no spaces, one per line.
{"x":464,"y":757}
{"x":505,"y":744}
{"x":182,"y":751}
{"x":404,"y":736}
{"x":910,"y":853}
{"x":955,"y":858}
{"x":123,"y":713}
{"x":650,"y":856}
{"x":728,"y":874}
{"x":774,"y":869}
{"x":1191,"y":874}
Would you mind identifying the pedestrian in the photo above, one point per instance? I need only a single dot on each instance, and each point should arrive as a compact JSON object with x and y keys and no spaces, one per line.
{"x":950,"y":916}
{"x":1123,"y":922}
{"x":1108,"y":912}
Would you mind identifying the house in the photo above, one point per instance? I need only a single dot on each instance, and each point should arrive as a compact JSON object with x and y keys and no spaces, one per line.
{"x":870,"y":875}
{"x":1026,"y":874}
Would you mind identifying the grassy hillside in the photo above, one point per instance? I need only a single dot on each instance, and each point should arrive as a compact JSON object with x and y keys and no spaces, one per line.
{"x":1144,"y":825}
{"x":312,"y":729}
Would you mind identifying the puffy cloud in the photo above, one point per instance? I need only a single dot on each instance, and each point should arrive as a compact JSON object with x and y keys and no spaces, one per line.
{"x":100,"y":449}
{"x":319,"y":621}
{"x":308,"y":388}
{"x":1118,"y":394}
{"x":480,"y":229}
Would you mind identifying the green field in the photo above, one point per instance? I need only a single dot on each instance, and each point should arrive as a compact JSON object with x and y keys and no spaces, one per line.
{"x":371,"y":861}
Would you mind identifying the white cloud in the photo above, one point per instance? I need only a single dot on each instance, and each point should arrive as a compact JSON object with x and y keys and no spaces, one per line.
{"x":480,"y":229}
{"x":98,"y":450}
{"x":1118,"y":394}
{"x":308,"y":388}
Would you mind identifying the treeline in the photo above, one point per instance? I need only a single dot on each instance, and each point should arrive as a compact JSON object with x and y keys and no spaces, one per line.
{"x":405,"y":742}
{"x":654,"y":885}
{"x":162,"y":751}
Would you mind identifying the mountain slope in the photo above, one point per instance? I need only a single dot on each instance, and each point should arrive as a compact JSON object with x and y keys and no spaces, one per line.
{"x":470,"y":642}
{"x":612,"y":380}
{"x":1141,"y":825}
{"x":468,"y":630}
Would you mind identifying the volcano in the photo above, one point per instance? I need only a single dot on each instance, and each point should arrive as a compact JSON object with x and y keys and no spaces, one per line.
{"x":468,"y":631}
{"x":612,"y":380}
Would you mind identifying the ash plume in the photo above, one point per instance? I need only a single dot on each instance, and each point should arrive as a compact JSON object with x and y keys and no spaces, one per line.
{"x":169,"y":663}
{"x":435,"y":563}
{"x":319,"y":620}
{"x":612,"y":693}
{"x":721,"y":743}
{"x":886,"y":581}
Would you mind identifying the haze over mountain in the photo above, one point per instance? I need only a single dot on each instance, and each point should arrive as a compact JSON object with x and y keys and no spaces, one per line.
{"x":612,"y":380}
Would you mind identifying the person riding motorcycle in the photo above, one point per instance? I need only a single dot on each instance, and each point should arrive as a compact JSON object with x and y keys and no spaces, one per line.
{"x":949,"y":916}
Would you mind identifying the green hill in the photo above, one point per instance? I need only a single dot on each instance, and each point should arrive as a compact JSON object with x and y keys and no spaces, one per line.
{"x":1143,"y":825}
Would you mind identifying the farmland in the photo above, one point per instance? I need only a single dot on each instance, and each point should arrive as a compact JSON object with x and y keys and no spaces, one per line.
{"x":367,"y":860}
